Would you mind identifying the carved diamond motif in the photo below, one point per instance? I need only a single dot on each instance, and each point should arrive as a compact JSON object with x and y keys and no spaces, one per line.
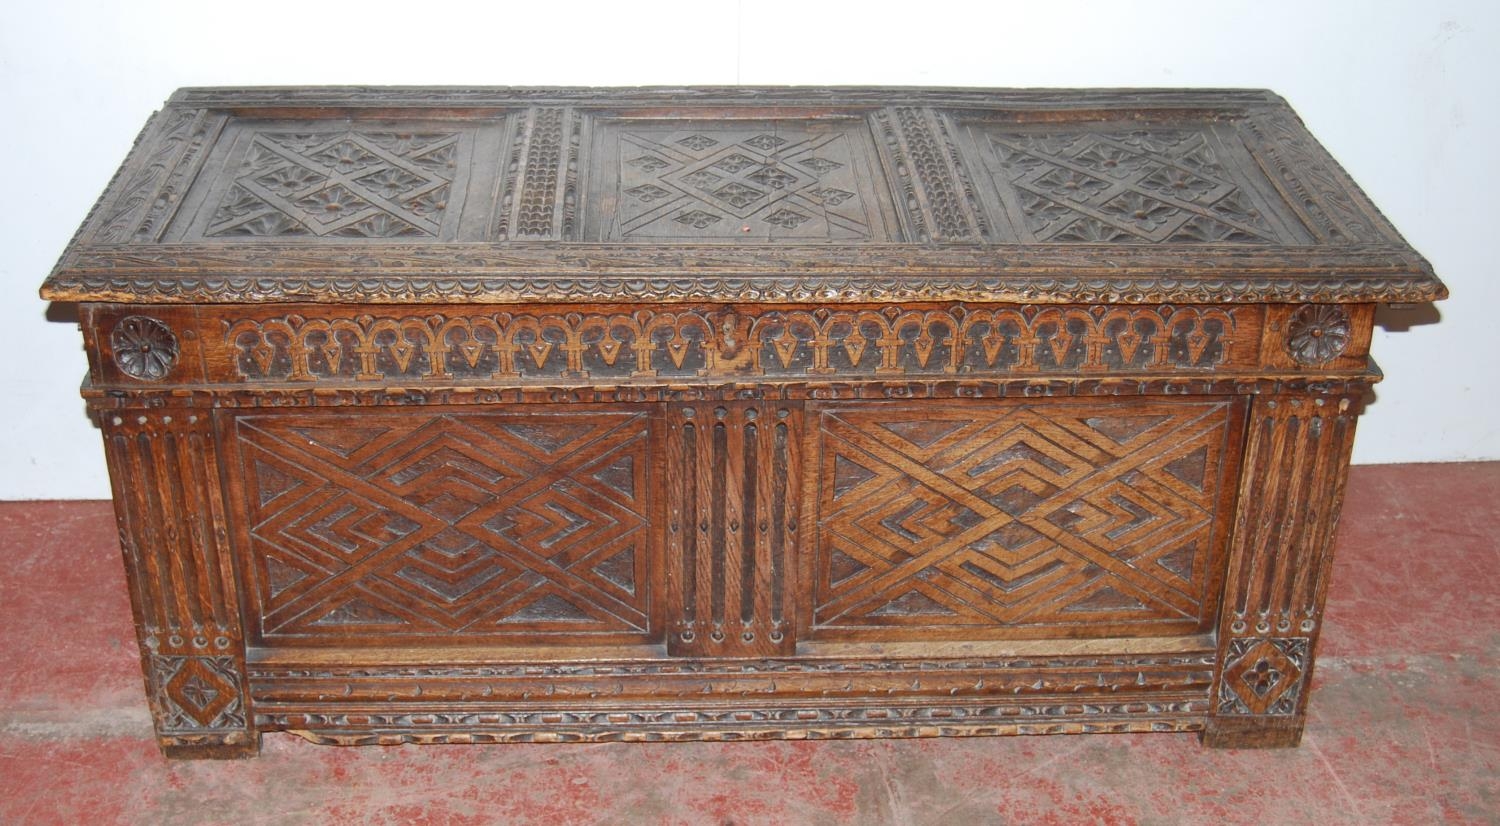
{"x":831,"y":196}
{"x":199,"y":692}
{"x":703,"y":179}
{"x":290,"y":180}
{"x":465,"y":523}
{"x":810,"y":182}
{"x":787,"y":218}
{"x":772,"y":176}
{"x":819,"y":165}
{"x":648,"y":163}
{"x":698,"y":142}
{"x":697,"y":218}
{"x":737,"y":194}
{"x":356,"y":184}
{"x":1263,"y":676}
{"x":1140,"y":186}
{"x":735,"y":163}
{"x":766,"y":143}
{"x":1036,"y":515}
{"x":332,"y":204}
{"x":648,"y":192}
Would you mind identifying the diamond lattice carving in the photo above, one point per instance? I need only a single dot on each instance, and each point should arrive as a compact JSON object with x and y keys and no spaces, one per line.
{"x":340,"y":184}
{"x":481,"y":524}
{"x":1032,"y":516}
{"x":755,"y":181}
{"x":1128,"y":186}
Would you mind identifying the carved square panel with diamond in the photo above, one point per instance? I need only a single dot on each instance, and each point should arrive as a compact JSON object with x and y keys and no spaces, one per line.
{"x":1020,"y":519}
{"x":343,"y":179}
{"x":519,"y":526}
{"x":741,"y":181}
{"x":1103,"y":183}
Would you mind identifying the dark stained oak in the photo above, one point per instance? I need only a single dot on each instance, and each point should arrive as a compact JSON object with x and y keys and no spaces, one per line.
{"x":494,"y":415}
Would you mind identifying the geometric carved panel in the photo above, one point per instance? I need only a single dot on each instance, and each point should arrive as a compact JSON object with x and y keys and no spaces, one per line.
{"x":343,"y":180}
{"x":1020,"y":518}
{"x":394,"y":525}
{"x":1124,"y":186}
{"x":741,"y":181}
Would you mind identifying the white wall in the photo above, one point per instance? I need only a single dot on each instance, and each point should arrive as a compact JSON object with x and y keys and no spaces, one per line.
{"x":1404,"y":94}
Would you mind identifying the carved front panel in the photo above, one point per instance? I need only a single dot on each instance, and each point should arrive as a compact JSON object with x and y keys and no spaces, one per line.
{"x":737,"y":181}
{"x":1020,"y":518}
{"x":465,"y":526}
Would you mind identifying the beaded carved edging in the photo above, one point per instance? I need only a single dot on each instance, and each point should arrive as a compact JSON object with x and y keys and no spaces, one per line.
{"x":733,"y":725}
{"x":121,"y":399}
{"x":1010,"y":289}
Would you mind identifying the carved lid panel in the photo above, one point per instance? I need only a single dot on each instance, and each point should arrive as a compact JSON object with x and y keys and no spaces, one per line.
{"x":787,"y":195}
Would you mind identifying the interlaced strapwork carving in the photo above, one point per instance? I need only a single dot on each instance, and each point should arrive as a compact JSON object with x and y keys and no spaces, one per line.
{"x":1124,"y":187}
{"x":756,"y":181}
{"x":468,"y":524}
{"x":339,"y":184}
{"x":1030,"y":515}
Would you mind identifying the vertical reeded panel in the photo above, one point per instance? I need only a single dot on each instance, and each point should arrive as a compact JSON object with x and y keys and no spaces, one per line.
{"x":1296,"y":464}
{"x":733,"y":521}
{"x":165,"y":474}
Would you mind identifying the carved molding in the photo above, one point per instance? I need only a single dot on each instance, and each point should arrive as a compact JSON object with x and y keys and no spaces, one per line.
{"x":132,"y":399}
{"x":1406,"y":284}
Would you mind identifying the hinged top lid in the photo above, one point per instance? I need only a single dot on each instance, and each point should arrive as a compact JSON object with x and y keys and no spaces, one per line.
{"x":733,"y":194}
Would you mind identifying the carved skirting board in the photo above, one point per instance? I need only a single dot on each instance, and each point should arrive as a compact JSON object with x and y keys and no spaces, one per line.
{"x":503,"y":415}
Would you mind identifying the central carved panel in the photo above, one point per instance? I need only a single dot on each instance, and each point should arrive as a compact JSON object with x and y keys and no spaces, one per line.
{"x":527,"y":526}
{"x":736,"y":181}
{"x":1020,"y":519}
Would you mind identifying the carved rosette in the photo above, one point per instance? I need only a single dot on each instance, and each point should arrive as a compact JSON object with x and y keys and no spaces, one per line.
{"x":144,"y":348}
{"x":1318,"y":334}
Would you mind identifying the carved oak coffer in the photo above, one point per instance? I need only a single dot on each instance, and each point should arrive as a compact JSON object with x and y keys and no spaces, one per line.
{"x":464,"y":415}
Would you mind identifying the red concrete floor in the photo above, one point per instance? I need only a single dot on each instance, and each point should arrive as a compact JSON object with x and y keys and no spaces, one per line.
{"x":1398,"y":730}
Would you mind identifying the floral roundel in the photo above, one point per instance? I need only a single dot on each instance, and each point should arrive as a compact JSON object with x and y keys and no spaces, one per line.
{"x":1317,"y":334}
{"x":144,"y":348}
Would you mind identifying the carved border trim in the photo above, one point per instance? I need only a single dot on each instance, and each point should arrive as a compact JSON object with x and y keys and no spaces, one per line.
{"x":718,"y":343}
{"x":133,"y":399}
{"x":755,"y":723}
{"x":1017,"y":288}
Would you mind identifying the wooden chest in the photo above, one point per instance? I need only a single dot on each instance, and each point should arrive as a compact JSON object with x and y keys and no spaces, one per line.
{"x":468,"y":415}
